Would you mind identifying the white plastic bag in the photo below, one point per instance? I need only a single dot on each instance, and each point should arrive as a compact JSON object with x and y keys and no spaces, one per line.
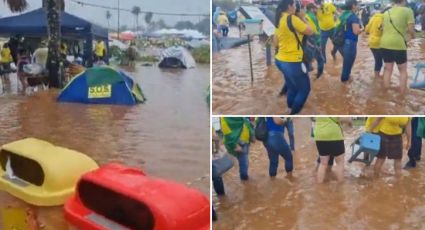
{"x":13,"y":66}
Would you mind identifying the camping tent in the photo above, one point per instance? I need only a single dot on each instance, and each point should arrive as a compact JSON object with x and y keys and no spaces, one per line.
{"x":102,"y":85}
{"x":176,"y":57}
{"x":34,"y":24}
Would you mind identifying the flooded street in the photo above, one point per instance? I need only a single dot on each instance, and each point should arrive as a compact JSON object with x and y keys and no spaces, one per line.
{"x":167,"y":137}
{"x":301,"y":203}
{"x":233,"y":93}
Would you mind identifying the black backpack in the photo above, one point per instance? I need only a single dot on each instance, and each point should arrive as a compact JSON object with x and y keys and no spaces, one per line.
{"x":261,"y":131}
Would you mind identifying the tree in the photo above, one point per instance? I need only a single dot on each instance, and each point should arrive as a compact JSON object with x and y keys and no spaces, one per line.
{"x":184,"y":25}
{"x":53,"y":32}
{"x":108,"y":16}
{"x":203,"y":26}
{"x":136,"y":11}
{"x":148,"y":18}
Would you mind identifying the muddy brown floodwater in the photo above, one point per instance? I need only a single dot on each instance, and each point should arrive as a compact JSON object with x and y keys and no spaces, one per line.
{"x":167,"y":137}
{"x":358,"y":203}
{"x":233,"y":93}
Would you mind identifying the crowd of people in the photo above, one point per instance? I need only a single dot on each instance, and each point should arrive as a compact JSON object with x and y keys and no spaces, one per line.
{"x":303,"y":32}
{"x":238,"y":133}
{"x":29,"y":57}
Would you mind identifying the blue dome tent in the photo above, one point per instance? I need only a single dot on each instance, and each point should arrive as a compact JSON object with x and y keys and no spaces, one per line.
{"x":102,"y":85}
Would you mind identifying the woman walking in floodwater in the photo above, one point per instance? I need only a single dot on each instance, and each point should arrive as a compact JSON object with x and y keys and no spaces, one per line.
{"x":329,"y":139}
{"x":238,"y":134}
{"x":398,"y":21}
{"x":289,"y":58}
{"x":391,"y":130}
{"x":276,"y":145}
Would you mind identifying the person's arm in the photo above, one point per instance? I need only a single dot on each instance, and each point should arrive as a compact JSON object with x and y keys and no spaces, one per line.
{"x":275,"y":41}
{"x":408,"y":133}
{"x":376,"y":123}
{"x":278,"y":121}
{"x":411,"y":24}
{"x":356,"y":25}
{"x":301,"y":24}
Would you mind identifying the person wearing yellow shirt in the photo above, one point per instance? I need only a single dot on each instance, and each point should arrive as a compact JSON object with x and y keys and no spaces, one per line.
{"x":238,"y":134}
{"x":374,"y":30}
{"x":5,"y":60}
{"x":99,"y":51}
{"x":289,"y":58}
{"x":326,"y":15}
{"x":391,"y":130}
{"x":223,"y":23}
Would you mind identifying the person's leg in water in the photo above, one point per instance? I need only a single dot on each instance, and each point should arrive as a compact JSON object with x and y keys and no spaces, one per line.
{"x":217,"y":183}
{"x":378,"y":165}
{"x":243,"y":162}
{"x":350,"y":52}
{"x":330,"y":161}
{"x":214,"y":215}
{"x":320,"y":63}
{"x":321,"y":172}
{"x":402,"y":68}
{"x":378,"y":61}
{"x":272,"y":154}
{"x":284,"y":89}
{"x":298,"y":86}
{"x":286,"y":70}
{"x":388,"y":71}
{"x":339,"y":167}
{"x":290,"y":127}
{"x":324,"y":36}
{"x":415,"y":147}
{"x":397,"y":167}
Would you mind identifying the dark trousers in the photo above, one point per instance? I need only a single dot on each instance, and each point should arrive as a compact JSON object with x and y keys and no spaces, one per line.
{"x":378,"y":59}
{"x":415,"y":149}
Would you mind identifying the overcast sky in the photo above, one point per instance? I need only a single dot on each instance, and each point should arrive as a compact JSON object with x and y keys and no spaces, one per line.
{"x":97,"y":15}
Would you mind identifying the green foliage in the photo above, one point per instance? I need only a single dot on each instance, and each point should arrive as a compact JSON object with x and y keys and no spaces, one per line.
{"x":202,"y":54}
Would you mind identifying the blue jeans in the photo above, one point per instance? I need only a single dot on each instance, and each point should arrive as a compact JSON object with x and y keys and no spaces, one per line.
{"x":415,"y":149}
{"x":324,"y":36}
{"x":214,"y":215}
{"x":218,"y":183}
{"x":297,"y":82}
{"x":349,"y":52}
{"x":276,"y":145}
{"x":378,"y":59}
{"x":243,"y":162}
{"x":290,"y":126}
{"x":320,"y":63}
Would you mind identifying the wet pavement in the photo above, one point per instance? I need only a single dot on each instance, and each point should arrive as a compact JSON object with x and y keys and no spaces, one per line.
{"x":167,"y":137}
{"x":300,"y":203}
{"x":234,"y":94}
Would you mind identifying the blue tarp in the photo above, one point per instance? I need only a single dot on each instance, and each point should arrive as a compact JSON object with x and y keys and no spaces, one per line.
{"x":34,"y":24}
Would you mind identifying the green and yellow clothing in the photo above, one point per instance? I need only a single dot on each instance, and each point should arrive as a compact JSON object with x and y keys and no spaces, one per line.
{"x":401,"y":17}
{"x":6,"y":55}
{"x":325,"y":16}
{"x":327,"y":129}
{"x":374,"y":29}
{"x":289,"y":51}
{"x":63,"y":49}
{"x":312,"y":21}
{"x":235,"y":130}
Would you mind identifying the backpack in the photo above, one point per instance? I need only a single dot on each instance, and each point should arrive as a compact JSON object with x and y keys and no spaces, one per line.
{"x":307,"y":44}
{"x":338,"y":36}
{"x":261,"y":131}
